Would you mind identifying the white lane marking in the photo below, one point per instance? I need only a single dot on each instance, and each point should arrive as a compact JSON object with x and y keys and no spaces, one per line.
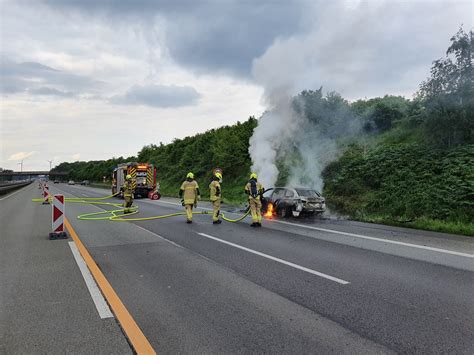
{"x":296,"y":266}
{"x":380,"y":239}
{"x":439,"y":250}
{"x":13,"y":193}
{"x":99,"y":301}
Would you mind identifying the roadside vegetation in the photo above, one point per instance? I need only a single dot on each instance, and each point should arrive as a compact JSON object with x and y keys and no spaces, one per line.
{"x":412,"y":163}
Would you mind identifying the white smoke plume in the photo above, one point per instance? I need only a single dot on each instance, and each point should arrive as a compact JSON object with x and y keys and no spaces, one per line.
{"x":340,"y":50}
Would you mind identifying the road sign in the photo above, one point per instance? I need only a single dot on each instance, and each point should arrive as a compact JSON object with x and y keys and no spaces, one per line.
{"x":45,"y":194}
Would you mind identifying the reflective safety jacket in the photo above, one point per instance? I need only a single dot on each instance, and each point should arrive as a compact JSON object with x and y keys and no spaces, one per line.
{"x":127,"y":189}
{"x":214,"y":190}
{"x":190,"y":190}
{"x":254,"y":189}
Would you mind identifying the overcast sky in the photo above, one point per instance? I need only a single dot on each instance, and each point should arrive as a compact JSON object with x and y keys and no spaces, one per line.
{"x":92,"y":79}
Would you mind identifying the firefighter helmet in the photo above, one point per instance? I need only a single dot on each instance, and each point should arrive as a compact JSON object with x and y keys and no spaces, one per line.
{"x":128,"y":177}
{"x":190,"y":175}
{"x":253,"y":176}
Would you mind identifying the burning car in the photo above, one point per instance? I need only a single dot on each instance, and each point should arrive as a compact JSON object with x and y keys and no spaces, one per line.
{"x":287,"y":201}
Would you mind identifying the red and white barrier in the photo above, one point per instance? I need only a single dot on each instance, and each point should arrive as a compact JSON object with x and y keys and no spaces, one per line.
{"x":58,"y":213}
{"x":59,"y":210}
{"x":46,"y":195}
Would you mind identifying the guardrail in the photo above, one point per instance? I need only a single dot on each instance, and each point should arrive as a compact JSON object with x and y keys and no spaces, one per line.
{"x":10,"y":186}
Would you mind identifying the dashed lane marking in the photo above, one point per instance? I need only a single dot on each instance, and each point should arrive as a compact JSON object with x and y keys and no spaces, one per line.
{"x":281,"y":261}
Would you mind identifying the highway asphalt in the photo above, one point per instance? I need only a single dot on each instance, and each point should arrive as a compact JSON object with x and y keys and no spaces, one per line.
{"x":293,"y":286}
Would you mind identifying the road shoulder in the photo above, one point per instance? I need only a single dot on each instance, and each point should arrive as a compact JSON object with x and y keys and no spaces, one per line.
{"x":45,"y":306}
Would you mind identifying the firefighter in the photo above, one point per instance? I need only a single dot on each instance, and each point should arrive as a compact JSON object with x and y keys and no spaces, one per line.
{"x":127,"y":189}
{"x":215,"y":197}
{"x":254,"y":190}
{"x":189,"y":194}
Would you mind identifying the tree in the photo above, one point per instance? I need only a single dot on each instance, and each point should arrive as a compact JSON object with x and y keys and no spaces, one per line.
{"x":449,"y":94}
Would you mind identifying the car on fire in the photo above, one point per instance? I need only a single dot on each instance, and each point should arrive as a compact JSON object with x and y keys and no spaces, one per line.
{"x":288,"y":201}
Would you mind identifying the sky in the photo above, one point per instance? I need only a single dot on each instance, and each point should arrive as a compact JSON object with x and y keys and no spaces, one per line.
{"x":95,"y":79}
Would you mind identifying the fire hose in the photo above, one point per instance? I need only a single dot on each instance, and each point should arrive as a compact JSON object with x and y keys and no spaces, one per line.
{"x":117,"y":215}
{"x":238,"y":219}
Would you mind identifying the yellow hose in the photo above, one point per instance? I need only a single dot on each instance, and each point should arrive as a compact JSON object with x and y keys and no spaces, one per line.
{"x":118,"y":214}
{"x":238,"y":219}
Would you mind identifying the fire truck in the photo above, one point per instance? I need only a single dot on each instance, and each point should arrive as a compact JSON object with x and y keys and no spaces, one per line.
{"x":143,"y":179}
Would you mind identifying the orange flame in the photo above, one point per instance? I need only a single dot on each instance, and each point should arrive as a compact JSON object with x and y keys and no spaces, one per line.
{"x":269,"y":213}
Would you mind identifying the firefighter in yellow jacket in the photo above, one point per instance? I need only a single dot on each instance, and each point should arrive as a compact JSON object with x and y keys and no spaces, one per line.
{"x":254,"y":190}
{"x":215,"y":197}
{"x":189,"y":194}
{"x":127,"y":190}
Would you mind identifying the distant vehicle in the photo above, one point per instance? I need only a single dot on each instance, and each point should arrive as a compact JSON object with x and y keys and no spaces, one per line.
{"x":56,"y":181}
{"x":143,"y":179}
{"x":85,"y":182}
{"x":71,"y":182}
{"x":287,"y":201}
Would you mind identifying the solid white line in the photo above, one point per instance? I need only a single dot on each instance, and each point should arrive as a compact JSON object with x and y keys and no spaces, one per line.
{"x":14,"y":193}
{"x":380,"y":239}
{"x":299,"y":267}
{"x":410,"y":245}
{"x":99,"y":301}
{"x":439,"y":250}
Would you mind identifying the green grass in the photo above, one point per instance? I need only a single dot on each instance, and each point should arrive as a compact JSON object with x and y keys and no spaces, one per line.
{"x":423,"y":223}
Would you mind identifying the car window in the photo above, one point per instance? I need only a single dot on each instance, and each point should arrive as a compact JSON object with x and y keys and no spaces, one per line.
{"x":268,"y":193}
{"x":289,"y":193}
{"x":279,"y":193}
{"x":307,"y":193}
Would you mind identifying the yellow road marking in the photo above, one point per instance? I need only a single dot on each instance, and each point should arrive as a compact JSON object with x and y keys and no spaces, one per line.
{"x":134,"y":334}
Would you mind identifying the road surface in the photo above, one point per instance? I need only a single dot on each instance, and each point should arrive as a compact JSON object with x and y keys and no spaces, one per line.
{"x":311,"y":286}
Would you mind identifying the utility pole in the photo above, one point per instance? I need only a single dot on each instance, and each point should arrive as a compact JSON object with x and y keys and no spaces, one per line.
{"x":50,"y":164}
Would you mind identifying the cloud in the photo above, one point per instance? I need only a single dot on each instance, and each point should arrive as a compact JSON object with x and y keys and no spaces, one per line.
{"x":206,"y":36}
{"x":158,"y":96}
{"x":376,"y":48}
{"x":21,"y":155}
{"x":76,"y":156}
{"x":38,"y":79}
{"x":45,"y":91}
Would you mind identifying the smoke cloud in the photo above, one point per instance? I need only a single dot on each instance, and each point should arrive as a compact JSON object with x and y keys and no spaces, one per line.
{"x":299,"y":135}
{"x":296,"y":139}
{"x":359,"y":48}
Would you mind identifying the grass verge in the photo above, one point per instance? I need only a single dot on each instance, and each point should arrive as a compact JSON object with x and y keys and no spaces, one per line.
{"x":453,"y":227}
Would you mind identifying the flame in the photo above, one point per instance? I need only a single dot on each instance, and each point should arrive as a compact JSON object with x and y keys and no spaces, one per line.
{"x":269,"y":213}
